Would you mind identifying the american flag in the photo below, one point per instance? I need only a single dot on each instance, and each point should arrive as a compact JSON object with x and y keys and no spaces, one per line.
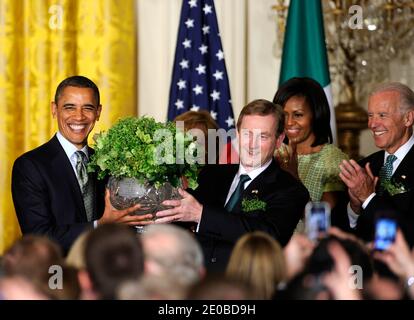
{"x":199,"y":78}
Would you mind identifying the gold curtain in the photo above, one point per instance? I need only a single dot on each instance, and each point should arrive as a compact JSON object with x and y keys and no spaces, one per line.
{"x":41,"y":43}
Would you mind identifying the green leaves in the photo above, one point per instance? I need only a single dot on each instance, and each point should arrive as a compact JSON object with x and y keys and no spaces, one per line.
{"x":393,"y":188}
{"x":254,"y":204}
{"x":144,"y":149}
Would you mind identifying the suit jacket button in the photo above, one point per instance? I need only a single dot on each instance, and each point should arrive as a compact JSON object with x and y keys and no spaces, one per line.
{"x":213,"y":260}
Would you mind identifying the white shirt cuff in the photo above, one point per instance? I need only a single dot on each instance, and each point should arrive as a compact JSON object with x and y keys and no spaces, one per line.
{"x":368,"y":200}
{"x":352,"y":216}
{"x":95,"y":224}
{"x":198,"y":224}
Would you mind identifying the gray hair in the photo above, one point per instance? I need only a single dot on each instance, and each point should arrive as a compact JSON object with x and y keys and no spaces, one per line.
{"x":406,"y":94}
{"x":183,"y":260}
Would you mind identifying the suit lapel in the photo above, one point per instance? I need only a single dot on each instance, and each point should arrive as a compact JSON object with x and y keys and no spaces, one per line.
{"x":61,"y":167}
{"x":259,"y":184}
{"x":406,"y":166}
{"x":377,"y":162}
{"x":226,"y":181}
{"x":93,"y":179}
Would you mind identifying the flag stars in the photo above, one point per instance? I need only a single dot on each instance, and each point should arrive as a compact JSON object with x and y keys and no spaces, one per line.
{"x":215,"y":95}
{"x":207,"y":9}
{"x":187,"y":43}
{"x":198,"y":90}
{"x":218,"y":75}
{"x":189,"y":23}
{"x":192,"y":3}
{"x":184,"y":64}
{"x":195,"y":108}
{"x":179,"y":104}
{"x":203,"y":49}
{"x":230,"y":122}
{"x":213,"y":114}
{"x":206,"y":29}
{"x":220,"y":55}
{"x":201,"y":69}
{"x":181,"y":84}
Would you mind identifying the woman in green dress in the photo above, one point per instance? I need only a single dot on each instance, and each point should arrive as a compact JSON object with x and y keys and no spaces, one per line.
{"x":308,"y":152}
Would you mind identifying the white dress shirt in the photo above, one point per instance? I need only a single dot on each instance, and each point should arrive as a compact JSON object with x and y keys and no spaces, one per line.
{"x":70,"y":150}
{"x":252,"y":174}
{"x":400,"y":154}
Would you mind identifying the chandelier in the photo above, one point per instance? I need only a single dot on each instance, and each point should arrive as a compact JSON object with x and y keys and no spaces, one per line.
{"x":362,"y":38}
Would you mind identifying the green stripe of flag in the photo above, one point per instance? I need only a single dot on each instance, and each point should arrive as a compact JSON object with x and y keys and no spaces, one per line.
{"x":304,"y":49}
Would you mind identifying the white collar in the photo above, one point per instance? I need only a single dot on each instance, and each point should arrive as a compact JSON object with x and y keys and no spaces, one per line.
{"x":403,"y":150}
{"x":69,"y":147}
{"x":255,"y":172}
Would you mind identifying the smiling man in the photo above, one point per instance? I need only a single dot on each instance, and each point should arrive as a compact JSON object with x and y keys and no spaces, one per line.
{"x":52,"y":192}
{"x":256,"y":194}
{"x":384,"y":181}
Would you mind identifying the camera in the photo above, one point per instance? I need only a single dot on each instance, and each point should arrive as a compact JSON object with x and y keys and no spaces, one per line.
{"x":317,"y":219}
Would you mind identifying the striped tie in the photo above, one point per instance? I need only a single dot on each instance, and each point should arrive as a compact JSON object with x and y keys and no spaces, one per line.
{"x":85,"y":186}
{"x":386,"y":172}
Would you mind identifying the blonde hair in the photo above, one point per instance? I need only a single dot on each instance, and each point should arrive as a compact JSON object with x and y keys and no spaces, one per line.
{"x":258,"y":261}
{"x":76,"y":255}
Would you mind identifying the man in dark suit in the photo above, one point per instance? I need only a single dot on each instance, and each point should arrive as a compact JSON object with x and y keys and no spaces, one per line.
{"x":383,"y":183}
{"x":52,"y":192}
{"x":232,"y":200}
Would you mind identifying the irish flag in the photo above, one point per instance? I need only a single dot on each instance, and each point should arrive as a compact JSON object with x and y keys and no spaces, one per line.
{"x":304,"y":49}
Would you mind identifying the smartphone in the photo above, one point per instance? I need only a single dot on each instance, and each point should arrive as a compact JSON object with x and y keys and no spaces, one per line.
{"x":385,"y":232}
{"x":317,"y":219}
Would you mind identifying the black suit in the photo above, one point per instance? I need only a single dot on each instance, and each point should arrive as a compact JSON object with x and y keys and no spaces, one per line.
{"x":401,"y":206}
{"x":47,"y":196}
{"x":285,"y":199}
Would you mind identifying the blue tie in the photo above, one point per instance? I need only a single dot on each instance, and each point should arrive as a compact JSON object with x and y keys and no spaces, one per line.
{"x":386,"y":172}
{"x":237,"y":194}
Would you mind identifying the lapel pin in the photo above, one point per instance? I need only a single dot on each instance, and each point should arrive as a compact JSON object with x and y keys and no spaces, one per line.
{"x":255,"y":191}
{"x":403,"y":177}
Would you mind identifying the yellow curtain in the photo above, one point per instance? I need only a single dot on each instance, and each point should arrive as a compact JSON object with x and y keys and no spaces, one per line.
{"x":41,"y":43}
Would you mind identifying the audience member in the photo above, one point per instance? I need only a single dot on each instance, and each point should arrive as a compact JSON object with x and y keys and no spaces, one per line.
{"x":219,"y":287}
{"x":153,"y":287}
{"x":257,"y":259}
{"x":76,"y":255}
{"x":172,"y":252}
{"x":113,"y":255}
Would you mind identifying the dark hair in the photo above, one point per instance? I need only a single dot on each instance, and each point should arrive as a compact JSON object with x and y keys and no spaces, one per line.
{"x":314,"y":95}
{"x":31,"y":257}
{"x":78,"y":82}
{"x":321,"y":260}
{"x":263,"y":107}
{"x":113,"y":255}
